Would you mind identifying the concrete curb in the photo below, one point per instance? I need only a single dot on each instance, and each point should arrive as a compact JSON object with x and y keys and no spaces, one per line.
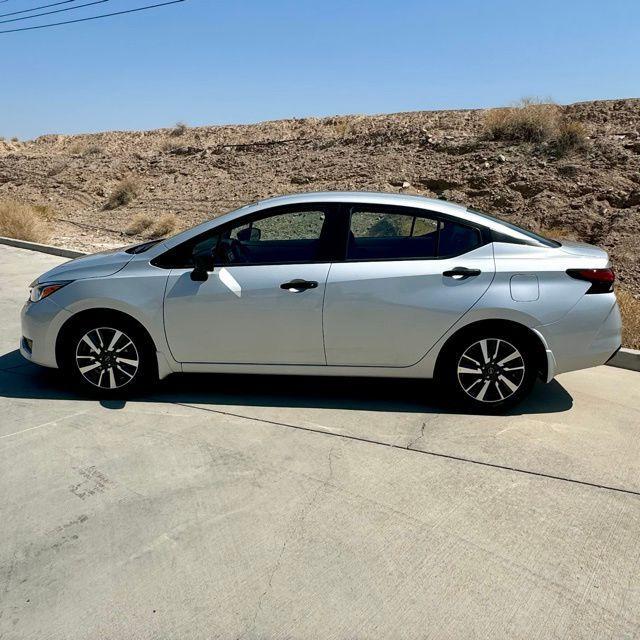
{"x":626,"y":359}
{"x":42,"y":248}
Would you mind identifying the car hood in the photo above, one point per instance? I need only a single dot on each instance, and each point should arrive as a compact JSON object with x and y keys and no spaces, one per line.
{"x":97,"y":265}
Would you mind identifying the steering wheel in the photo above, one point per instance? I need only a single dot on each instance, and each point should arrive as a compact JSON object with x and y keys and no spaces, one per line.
{"x":232,"y":251}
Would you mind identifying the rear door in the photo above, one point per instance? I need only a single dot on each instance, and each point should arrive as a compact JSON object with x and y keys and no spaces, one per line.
{"x":408,"y":277}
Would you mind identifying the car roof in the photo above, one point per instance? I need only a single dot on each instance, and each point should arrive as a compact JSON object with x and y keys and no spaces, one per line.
{"x":369,"y":197}
{"x":366,"y":197}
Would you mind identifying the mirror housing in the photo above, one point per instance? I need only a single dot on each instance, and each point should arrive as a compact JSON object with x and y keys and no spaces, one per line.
{"x":202,"y":262}
{"x":251,"y":234}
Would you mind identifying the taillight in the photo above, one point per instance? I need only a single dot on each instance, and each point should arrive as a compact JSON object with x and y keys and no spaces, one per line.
{"x":601,"y":279}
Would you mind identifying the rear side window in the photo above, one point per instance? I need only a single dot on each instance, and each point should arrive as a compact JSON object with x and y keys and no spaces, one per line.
{"x":394,"y":233}
{"x":455,"y":239}
{"x":535,"y":237}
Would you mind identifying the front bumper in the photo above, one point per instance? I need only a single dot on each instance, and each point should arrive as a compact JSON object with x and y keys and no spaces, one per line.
{"x":41,"y":321}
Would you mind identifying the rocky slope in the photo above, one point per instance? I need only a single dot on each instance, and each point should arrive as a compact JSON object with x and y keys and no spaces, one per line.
{"x":592,"y":194}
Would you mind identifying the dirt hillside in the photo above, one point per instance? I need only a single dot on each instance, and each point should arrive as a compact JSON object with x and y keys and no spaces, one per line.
{"x":592,"y":194}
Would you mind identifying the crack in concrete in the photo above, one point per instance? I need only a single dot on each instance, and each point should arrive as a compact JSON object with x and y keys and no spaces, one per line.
{"x":297,"y":526}
{"x":415,"y":440}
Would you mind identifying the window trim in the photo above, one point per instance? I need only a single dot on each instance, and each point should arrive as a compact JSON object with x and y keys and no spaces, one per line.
{"x":332,"y":209}
{"x":483,"y":233}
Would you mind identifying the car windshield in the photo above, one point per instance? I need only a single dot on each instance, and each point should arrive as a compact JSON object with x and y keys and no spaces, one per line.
{"x":546,"y":242}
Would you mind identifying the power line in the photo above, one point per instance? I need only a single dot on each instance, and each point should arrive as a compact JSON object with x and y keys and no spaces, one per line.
{"x":46,"y":13}
{"x":103,"y":15}
{"x":43,"y":6}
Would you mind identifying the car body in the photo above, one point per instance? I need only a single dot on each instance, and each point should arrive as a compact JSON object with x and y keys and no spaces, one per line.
{"x":337,"y":283}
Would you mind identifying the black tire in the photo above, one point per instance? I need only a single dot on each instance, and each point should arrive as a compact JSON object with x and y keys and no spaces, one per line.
{"x":109,"y":346}
{"x":488,"y":371}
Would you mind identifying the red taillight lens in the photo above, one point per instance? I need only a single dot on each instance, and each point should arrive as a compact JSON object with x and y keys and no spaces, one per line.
{"x":601,"y":279}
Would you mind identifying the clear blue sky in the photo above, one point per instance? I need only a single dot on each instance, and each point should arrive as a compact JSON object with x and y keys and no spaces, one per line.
{"x":236,"y":61}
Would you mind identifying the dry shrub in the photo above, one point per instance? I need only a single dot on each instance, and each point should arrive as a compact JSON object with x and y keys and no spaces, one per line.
{"x":164,"y":226}
{"x":85,"y":149}
{"x":45,"y":212}
{"x":630,"y":310}
{"x":56,"y":168}
{"x":570,"y":136}
{"x":125,"y":192}
{"x":342,"y":126}
{"x":179,"y":130}
{"x":22,"y":221}
{"x":167,"y":145}
{"x":139,"y":224}
{"x":528,"y":121}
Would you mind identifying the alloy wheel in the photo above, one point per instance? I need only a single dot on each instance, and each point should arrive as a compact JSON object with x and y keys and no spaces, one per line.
{"x":491,"y":370}
{"x":107,"y":358}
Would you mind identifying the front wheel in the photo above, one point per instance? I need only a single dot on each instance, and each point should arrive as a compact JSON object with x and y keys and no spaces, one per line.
{"x":489,"y":373}
{"x":109,"y":359}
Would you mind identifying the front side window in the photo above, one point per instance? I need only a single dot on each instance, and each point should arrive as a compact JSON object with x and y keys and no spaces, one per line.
{"x":393,"y":233}
{"x":286,"y":234}
{"x":294,"y":236}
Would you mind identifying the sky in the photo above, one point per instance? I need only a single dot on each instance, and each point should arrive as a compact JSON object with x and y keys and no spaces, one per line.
{"x":218,"y":62}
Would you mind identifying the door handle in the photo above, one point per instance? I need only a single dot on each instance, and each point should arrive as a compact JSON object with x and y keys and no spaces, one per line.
{"x":295,"y":286}
{"x":461,"y":273}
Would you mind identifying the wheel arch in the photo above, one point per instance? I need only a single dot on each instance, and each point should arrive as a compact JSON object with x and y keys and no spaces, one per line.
{"x":538,"y":347}
{"x":103,"y":315}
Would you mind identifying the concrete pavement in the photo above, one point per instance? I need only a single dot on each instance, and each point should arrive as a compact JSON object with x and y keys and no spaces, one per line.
{"x":225,"y":507}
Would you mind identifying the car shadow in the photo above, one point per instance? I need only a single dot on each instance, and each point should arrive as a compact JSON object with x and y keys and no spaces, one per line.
{"x":21,"y":379}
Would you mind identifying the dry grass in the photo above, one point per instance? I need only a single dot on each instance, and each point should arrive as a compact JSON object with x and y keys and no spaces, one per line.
{"x":528,"y":121}
{"x":125,"y":192}
{"x":146,"y":225}
{"x":168,"y":145}
{"x":139,"y":224}
{"x":180,"y":129}
{"x":56,"y":168}
{"x":630,"y":310}
{"x":164,"y":226}
{"x":570,"y":136}
{"x":45,"y":212}
{"x":85,"y":149}
{"x":536,"y":121}
{"x":23,"y":221}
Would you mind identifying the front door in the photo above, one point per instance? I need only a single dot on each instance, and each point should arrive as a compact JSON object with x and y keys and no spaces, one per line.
{"x":407,"y":279}
{"x":262,"y":301}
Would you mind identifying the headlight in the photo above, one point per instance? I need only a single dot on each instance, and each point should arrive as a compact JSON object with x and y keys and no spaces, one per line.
{"x":40,"y":291}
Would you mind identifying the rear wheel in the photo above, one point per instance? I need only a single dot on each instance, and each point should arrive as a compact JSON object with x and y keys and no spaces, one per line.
{"x":489,"y":372}
{"x":109,"y":359}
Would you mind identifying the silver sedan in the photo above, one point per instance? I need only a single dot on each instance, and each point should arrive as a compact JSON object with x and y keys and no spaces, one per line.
{"x":339,"y":284}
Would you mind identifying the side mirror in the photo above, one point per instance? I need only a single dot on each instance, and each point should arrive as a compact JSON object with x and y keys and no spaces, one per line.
{"x":249,"y":235}
{"x":202,"y":262}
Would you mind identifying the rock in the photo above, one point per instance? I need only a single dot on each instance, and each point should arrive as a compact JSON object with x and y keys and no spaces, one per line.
{"x":437,"y":185}
{"x":502,"y":158}
{"x":302,"y":179}
{"x":527,"y":189}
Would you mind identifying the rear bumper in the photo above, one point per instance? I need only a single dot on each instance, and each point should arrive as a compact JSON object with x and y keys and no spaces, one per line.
{"x":587,"y":336}
{"x":41,"y":322}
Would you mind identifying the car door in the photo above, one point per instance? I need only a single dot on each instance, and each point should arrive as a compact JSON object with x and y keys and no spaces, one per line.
{"x":261,"y":302}
{"x":408,"y":277}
